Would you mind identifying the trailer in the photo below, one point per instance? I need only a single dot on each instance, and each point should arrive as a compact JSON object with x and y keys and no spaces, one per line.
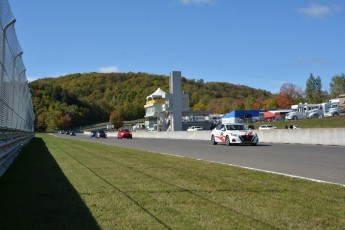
{"x":342,"y":104}
{"x":297,"y":112}
{"x":330,"y":109}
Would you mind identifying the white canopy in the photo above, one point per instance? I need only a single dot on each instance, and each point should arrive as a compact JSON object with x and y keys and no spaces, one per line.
{"x":159,"y":93}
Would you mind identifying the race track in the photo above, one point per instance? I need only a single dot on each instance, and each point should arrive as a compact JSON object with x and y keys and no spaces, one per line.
{"x":315,"y":162}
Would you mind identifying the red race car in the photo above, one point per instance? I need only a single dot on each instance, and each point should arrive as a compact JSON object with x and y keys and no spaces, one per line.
{"x":124,"y":133}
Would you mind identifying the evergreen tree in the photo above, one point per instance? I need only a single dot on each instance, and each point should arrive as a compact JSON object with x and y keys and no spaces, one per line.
{"x":310,"y":88}
{"x":313,"y":90}
{"x":318,"y":94}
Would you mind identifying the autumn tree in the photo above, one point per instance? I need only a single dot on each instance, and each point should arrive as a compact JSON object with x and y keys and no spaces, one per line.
{"x":116,"y":119}
{"x":270,"y":103}
{"x":52,"y":120}
{"x":288,"y":95}
{"x":91,"y":97}
{"x":248,"y":103}
{"x":41,"y":122}
{"x":65,"y":122}
{"x":219,"y":105}
{"x":337,"y":86}
{"x":258,"y":104}
{"x":199,"y":106}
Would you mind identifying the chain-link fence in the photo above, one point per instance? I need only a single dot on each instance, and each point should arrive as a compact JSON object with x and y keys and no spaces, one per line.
{"x":16,"y":112}
{"x":15,"y":98}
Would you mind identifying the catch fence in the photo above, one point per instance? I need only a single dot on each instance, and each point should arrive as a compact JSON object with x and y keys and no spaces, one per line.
{"x":16,"y":111}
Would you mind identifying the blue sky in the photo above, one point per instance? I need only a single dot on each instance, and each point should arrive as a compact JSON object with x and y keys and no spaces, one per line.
{"x":258,"y":43}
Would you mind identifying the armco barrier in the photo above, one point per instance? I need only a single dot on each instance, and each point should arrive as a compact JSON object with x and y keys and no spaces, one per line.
{"x":11,"y":142}
{"x":314,"y":136}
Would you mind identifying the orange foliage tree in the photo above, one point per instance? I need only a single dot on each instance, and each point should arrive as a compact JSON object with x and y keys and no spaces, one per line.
{"x":288,"y":95}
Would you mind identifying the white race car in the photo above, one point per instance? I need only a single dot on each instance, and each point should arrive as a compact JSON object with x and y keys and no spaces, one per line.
{"x":233,"y":134}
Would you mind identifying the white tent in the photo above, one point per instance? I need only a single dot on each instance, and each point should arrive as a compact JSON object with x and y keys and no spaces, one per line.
{"x":159,"y":93}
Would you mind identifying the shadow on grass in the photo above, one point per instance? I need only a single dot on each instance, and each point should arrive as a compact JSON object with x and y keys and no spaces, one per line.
{"x":35,"y":194}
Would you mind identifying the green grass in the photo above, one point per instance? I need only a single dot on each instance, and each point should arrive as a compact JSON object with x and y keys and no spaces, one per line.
{"x":330,"y":122}
{"x":68,"y":184}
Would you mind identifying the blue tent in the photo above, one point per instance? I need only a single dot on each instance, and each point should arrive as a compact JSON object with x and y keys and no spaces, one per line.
{"x":237,"y":115}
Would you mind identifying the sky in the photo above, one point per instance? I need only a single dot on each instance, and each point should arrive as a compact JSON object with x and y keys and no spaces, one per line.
{"x":256,"y":43}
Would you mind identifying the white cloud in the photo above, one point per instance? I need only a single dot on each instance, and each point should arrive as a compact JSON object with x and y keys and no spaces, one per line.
{"x":197,"y":2}
{"x":30,"y":78}
{"x":109,"y":69}
{"x":317,"y":11}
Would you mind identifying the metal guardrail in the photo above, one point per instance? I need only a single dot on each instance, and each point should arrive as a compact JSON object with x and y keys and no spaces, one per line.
{"x":16,"y":111}
{"x":11,"y":142}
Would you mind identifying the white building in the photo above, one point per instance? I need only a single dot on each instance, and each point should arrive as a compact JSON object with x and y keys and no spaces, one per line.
{"x":165,"y":110}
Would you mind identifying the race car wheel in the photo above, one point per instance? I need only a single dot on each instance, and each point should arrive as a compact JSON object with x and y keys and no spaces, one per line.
{"x":227,"y":141}
{"x":213,"y":140}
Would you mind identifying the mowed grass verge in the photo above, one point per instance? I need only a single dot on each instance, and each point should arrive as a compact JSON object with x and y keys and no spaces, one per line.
{"x":59,"y":183}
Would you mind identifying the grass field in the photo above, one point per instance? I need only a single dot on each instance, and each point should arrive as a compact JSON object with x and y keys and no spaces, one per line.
{"x":330,"y":122}
{"x":59,"y":183}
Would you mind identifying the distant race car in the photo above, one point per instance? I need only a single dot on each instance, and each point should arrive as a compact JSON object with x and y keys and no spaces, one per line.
{"x":194,"y":128}
{"x":233,"y":134}
{"x":124,"y":133}
{"x":269,"y":126}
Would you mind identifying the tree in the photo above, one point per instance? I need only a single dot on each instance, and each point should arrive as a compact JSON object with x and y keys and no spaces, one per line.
{"x":288,"y":95}
{"x":116,"y":119}
{"x":65,"y":122}
{"x":270,"y":103}
{"x":248,"y":103}
{"x":52,"y":120}
{"x":199,"y":106}
{"x":337,"y":85}
{"x":310,"y":88}
{"x":313,"y":90}
{"x":257,"y":104}
{"x":91,"y":97}
{"x":41,"y":121}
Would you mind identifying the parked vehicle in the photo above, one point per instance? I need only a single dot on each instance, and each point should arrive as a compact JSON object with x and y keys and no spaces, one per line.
{"x":302,"y":111}
{"x":313,"y":111}
{"x":72,"y":133}
{"x":235,"y":133}
{"x":296,"y":113}
{"x":101,"y":133}
{"x":151,"y":129}
{"x":124,"y":133}
{"x":93,"y":133}
{"x":330,"y":109}
{"x":268,"y":126}
{"x":194,"y":128}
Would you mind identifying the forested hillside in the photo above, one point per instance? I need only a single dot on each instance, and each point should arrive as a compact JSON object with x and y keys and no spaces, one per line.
{"x":80,"y":99}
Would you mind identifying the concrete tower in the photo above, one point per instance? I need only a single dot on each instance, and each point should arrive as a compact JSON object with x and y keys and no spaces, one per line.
{"x":175,"y":91}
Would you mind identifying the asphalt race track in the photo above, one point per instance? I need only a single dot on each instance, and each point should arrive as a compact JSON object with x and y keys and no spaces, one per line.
{"x":316,"y":162}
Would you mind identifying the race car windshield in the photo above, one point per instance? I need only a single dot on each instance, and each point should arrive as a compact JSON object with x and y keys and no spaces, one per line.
{"x":235,"y":127}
